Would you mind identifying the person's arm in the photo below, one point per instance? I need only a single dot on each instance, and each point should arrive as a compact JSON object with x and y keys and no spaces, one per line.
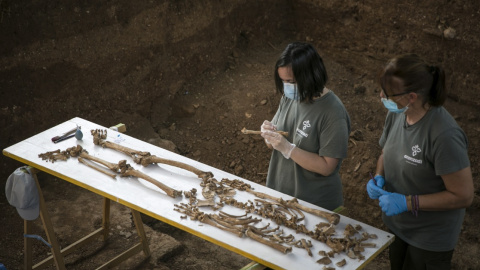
{"x":313,"y":162}
{"x":307,"y":160}
{"x":458,"y":193}
{"x":380,"y":170}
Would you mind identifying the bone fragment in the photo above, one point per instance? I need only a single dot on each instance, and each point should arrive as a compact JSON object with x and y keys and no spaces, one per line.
{"x":351,"y":254}
{"x":350,"y":230}
{"x":335,"y":245}
{"x":341,"y":263}
{"x":54,"y":155}
{"x":271,"y":244}
{"x":257,"y":132}
{"x":307,"y":246}
{"x":331,"y":217}
{"x":370,"y":245}
{"x":96,"y":168}
{"x":325,"y":261}
{"x":209,"y":202}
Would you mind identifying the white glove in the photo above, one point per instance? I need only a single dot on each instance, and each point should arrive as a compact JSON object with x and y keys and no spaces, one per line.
{"x":279,"y":143}
{"x":267,"y":126}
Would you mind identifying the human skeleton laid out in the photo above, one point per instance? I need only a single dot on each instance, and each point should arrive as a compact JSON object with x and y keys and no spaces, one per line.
{"x":284,"y":213}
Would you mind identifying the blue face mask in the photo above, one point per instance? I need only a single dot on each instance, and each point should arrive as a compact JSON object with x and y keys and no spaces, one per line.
{"x":290,"y":91}
{"x":392,"y":106}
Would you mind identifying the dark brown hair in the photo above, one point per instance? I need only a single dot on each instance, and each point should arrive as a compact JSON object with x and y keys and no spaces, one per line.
{"x":416,"y":76}
{"x":307,"y":67}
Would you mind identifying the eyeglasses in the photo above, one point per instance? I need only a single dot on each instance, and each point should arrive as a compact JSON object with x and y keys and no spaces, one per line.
{"x":395,"y":95}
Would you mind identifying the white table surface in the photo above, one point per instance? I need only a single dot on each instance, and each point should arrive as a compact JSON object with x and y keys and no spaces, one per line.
{"x":145,"y":197}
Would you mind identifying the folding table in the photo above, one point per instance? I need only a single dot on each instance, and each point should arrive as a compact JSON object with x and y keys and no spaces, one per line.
{"x":143,"y":197}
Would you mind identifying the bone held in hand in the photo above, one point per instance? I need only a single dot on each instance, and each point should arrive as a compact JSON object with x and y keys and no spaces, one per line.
{"x":271,"y":244}
{"x":246,"y":131}
{"x":331,"y":217}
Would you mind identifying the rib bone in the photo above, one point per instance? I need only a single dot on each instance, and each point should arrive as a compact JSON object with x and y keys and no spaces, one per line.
{"x":272,"y":244}
{"x":331,"y":217}
{"x":210,"y":222}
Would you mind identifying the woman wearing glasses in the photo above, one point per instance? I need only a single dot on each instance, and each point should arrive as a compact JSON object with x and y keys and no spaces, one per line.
{"x":306,"y":163}
{"x":423,"y":178}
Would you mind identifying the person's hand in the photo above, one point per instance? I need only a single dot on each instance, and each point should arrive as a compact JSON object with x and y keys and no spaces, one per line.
{"x":380,"y":180}
{"x":267,"y":126}
{"x":279,"y":143}
{"x":374,"y":192}
{"x":393,"y":203}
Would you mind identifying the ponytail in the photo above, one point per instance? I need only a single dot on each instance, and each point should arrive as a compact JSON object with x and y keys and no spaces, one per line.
{"x":417,"y":77}
{"x":437,"y":94}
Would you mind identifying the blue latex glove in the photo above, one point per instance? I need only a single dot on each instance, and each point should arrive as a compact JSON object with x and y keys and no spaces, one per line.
{"x":380,"y":180}
{"x":374,"y":191}
{"x":393,"y":203}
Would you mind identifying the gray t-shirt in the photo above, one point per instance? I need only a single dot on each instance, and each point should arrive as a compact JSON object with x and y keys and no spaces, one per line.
{"x":321,"y":127}
{"x":415,"y":157}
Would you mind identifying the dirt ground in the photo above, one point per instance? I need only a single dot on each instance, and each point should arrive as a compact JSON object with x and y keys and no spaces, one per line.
{"x":188,"y":77}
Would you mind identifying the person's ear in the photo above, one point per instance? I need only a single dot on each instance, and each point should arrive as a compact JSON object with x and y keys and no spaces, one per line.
{"x":412,"y":97}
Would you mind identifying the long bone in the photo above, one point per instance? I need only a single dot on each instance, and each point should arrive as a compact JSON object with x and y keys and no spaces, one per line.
{"x":145,"y":161}
{"x":331,"y":217}
{"x":96,"y":168}
{"x":127,"y":170}
{"x":124,"y":169}
{"x":78,"y":151}
{"x":144,"y":158}
{"x":269,"y":243}
{"x":246,"y":131}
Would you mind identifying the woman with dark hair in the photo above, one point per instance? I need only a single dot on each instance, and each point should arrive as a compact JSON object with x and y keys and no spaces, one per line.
{"x":424,"y":166}
{"x":306,"y":163}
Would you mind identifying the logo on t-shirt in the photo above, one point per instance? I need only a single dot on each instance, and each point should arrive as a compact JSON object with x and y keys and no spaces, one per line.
{"x":306,"y":124}
{"x":415,"y":150}
{"x":301,"y":132}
